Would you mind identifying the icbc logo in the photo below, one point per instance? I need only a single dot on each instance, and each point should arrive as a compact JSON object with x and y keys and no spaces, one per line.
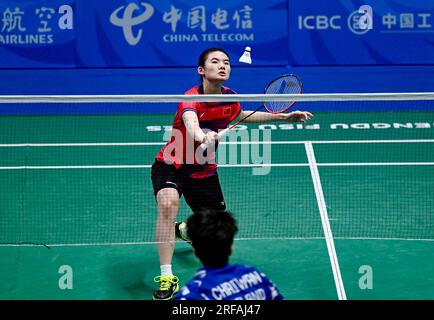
{"x":319,"y":22}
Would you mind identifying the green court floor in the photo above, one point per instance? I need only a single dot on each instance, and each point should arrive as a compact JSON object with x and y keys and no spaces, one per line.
{"x":76,"y":192}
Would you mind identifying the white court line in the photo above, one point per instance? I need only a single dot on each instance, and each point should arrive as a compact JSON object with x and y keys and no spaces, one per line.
{"x":156,"y":143}
{"x":249,"y":165}
{"x":325,"y":222}
{"x":222,"y":165}
{"x":85,"y":144}
{"x":332,"y":141}
{"x":147,"y":166}
{"x":181,"y":241}
{"x":362,"y":164}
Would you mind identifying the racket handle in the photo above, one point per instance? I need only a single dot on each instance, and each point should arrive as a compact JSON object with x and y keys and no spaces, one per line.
{"x":220,"y":135}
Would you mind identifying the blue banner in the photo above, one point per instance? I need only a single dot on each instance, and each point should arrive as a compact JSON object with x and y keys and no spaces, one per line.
{"x":36,"y":34}
{"x":161,"y":33}
{"x":368,"y":32}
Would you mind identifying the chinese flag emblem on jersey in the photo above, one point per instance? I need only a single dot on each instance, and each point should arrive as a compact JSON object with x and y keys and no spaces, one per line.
{"x":226,"y":111}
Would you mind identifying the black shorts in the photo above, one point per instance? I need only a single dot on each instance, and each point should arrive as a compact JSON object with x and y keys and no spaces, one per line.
{"x":203,"y":193}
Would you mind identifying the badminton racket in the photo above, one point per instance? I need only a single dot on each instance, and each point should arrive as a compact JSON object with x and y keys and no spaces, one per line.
{"x":285,"y":84}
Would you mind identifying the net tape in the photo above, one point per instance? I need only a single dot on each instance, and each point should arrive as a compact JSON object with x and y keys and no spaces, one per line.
{"x":307,"y":97}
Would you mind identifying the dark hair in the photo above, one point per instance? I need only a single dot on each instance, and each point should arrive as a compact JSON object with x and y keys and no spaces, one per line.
{"x":212,"y":234}
{"x":204,"y":55}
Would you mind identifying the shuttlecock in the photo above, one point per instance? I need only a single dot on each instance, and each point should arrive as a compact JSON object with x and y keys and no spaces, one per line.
{"x":246,"y":57}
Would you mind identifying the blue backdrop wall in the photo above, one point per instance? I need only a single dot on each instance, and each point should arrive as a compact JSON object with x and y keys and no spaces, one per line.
{"x":151,"y":47}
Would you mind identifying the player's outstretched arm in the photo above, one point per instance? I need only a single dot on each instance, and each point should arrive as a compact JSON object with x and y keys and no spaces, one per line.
{"x":294,"y":116}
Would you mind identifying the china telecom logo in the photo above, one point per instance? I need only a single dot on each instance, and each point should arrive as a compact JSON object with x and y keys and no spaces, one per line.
{"x":125,"y":18}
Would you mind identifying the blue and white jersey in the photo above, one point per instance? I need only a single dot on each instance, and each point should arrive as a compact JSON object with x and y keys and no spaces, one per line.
{"x":232,"y":282}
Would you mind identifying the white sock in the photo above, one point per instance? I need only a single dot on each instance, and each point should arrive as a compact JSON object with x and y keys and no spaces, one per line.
{"x":166,"y":270}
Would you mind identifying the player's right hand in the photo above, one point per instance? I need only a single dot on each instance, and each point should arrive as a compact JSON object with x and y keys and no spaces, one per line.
{"x":210,"y":137}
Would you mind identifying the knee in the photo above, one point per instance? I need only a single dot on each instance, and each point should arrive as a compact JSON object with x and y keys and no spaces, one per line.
{"x":168,"y":205}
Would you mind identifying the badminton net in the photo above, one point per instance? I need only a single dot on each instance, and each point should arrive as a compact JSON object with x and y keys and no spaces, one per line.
{"x":76,"y":169}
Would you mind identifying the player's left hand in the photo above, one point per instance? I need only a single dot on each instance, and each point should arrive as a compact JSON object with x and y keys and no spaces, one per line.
{"x":297,"y":116}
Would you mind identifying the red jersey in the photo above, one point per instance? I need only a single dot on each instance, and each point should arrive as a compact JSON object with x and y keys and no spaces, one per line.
{"x":181,"y":150}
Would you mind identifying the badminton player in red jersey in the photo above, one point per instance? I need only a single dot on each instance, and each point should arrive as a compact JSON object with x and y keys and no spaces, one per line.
{"x":177,"y":171}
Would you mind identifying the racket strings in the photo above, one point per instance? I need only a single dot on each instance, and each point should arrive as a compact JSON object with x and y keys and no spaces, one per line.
{"x":288,"y":84}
